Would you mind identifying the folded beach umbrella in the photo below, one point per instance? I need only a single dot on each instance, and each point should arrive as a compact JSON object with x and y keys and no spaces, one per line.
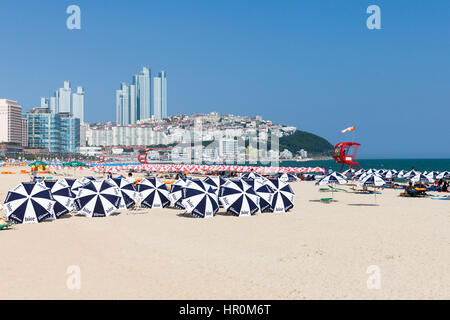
{"x":421,"y":178}
{"x":63,"y":196}
{"x":200,"y":199}
{"x":264,"y":191}
{"x":443,"y":175}
{"x":288,"y":177}
{"x":29,"y":202}
{"x":239,"y":198}
{"x":176,"y":193}
{"x":153,"y":192}
{"x":127,"y":191}
{"x":98,"y":198}
{"x":283,"y":196}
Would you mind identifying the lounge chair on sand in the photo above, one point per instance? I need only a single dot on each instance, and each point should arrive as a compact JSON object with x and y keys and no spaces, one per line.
{"x":336,"y":189}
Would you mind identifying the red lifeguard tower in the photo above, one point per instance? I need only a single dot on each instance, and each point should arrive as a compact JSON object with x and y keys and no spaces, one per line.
{"x":345,"y":153}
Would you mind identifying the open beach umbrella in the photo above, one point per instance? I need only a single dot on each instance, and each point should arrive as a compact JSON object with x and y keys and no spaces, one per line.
{"x":443,"y":175}
{"x":153,"y":192}
{"x":98,"y":199}
{"x":264,"y":191}
{"x":332,"y":178}
{"x":389,"y":174}
{"x":81,"y":182}
{"x":432,"y":174}
{"x":288,"y":177}
{"x":283,"y":196}
{"x":410,"y":174}
{"x":127,"y":191}
{"x":350,"y":171}
{"x":421,"y":178}
{"x":216,"y":182}
{"x":239,"y":198}
{"x":372,"y":180}
{"x":63,"y":196}
{"x":29,"y":202}
{"x":200,"y":199}
{"x":251,"y":175}
{"x":176,"y":193}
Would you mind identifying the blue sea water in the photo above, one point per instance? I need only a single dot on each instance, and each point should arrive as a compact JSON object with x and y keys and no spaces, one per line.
{"x":396,"y":164}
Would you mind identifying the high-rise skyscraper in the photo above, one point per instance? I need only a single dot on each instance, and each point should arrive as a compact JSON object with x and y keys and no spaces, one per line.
{"x":144,"y":94}
{"x":133,"y":100}
{"x":160,"y":96}
{"x":65,"y":98}
{"x":78,"y":104}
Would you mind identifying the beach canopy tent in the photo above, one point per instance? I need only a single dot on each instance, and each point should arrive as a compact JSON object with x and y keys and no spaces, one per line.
{"x":176,"y":193}
{"x":287,"y":177}
{"x":38,"y":163}
{"x":29,"y":202}
{"x":200,"y":199}
{"x":75,"y":164}
{"x":264,"y":191}
{"x":421,"y":178}
{"x":127,"y":191}
{"x":239,"y":198}
{"x":98,"y":199}
{"x":63,"y":195}
{"x":283,"y":196}
{"x":153,"y":193}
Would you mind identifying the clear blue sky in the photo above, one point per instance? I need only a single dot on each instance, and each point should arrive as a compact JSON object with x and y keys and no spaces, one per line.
{"x":310,"y":64}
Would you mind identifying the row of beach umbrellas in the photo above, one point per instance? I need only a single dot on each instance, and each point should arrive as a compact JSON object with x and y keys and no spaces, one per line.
{"x":32,"y":202}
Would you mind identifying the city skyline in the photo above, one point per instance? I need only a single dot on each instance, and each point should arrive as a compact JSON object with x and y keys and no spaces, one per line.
{"x":315,"y":66}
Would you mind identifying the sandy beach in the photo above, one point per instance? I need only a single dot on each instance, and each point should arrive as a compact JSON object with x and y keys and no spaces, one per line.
{"x":316,"y":251}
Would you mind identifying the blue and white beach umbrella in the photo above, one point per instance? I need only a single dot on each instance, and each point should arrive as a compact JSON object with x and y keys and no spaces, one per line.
{"x":81,"y":182}
{"x":410,"y":174}
{"x":420,"y":178}
{"x":98,"y":199}
{"x":127,"y":191}
{"x":288,"y":177}
{"x":332,"y":178}
{"x":283,"y":196}
{"x":443,"y":175}
{"x":372,"y":180}
{"x":63,"y":196}
{"x":153,"y":192}
{"x":389,"y":174}
{"x":239,"y":198}
{"x":200,"y":199}
{"x":176,"y":193}
{"x":216,"y":182}
{"x":29,"y":202}
{"x":251,"y":175}
{"x":264,"y":191}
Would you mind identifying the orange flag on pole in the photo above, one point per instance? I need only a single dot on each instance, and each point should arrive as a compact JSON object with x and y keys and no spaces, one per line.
{"x":352,"y":128}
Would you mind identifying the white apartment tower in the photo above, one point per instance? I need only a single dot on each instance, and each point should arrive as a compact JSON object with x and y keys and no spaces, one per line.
{"x":11,"y":122}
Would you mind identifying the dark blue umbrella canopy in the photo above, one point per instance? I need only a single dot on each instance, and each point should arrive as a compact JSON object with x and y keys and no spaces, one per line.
{"x":264,"y":191}
{"x":200,"y":199}
{"x":29,"y":202}
{"x":64,"y":197}
{"x":154,"y":193}
{"x":239,"y":198}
